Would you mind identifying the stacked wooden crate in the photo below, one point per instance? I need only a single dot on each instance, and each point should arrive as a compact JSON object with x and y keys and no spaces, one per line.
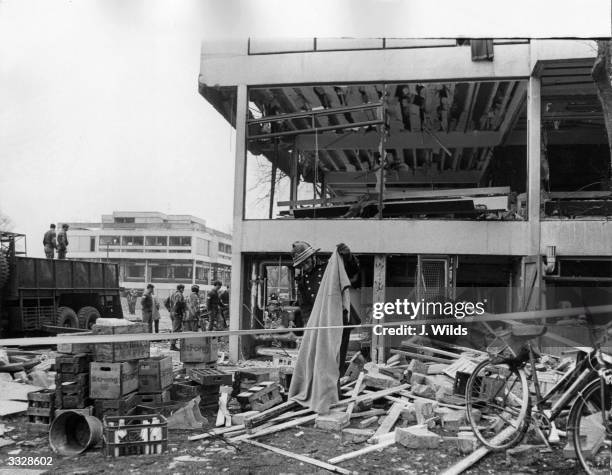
{"x":155,"y":378}
{"x":41,"y":410}
{"x":72,"y":381}
{"x":114,"y":373}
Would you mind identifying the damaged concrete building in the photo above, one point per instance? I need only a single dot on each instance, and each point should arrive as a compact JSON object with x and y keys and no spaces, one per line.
{"x":454,"y":169}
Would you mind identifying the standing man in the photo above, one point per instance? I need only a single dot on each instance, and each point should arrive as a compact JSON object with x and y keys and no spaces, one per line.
{"x":193,"y":309}
{"x":312,"y":269}
{"x":177,"y":312}
{"x":147,"y":303}
{"x":50,"y":242}
{"x":62,"y":242}
{"x":213,"y":305}
{"x":224,"y":298}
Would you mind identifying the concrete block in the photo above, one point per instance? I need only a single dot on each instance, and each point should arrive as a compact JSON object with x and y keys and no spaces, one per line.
{"x":417,"y":378}
{"x":380,"y":381}
{"x":239,"y":418}
{"x":466,"y":442}
{"x":440,"y":381}
{"x":408,"y":413}
{"x":356,"y":436}
{"x":453,"y":420}
{"x":335,"y":421}
{"x":417,"y":437}
{"x":437,"y":368}
{"x":417,"y":366}
{"x":424,"y":390}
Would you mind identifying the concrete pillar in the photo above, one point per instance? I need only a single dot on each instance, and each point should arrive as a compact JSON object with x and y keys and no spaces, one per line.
{"x":534,"y":124}
{"x":237,"y":289}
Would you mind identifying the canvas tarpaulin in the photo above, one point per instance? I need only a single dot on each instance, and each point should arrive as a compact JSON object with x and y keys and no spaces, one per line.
{"x":315,"y":378}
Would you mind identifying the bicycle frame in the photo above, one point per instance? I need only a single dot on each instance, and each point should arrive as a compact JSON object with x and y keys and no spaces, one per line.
{"x":584,"y":372}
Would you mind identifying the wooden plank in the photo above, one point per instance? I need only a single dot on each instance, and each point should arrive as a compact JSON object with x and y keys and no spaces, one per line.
{"x":577,"y":195}
{"x":380,"y":271}
{"x":475,"y":456}
{"x":12,"y":407}
{"x":301,"y":458}
{"x":388,"y":422}
{"x":420,"y":357}
{"x":269,"y":414}
{"x":275,"y":428}
{"x":356,"y":389}
{"x":16,"y":391}
{"x":366,"y":450}
{"x":373,"y":395}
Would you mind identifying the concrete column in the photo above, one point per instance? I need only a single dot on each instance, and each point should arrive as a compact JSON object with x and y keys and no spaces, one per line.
{"x":534,"y":124}
{"x":237,"y":290}
{"x":380,"y":277}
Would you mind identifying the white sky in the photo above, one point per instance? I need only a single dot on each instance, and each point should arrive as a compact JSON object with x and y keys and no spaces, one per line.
{"x":99,"y":108}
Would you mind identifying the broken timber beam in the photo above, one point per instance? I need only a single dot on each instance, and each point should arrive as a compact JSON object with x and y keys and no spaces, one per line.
{"x":356,"y":389}
{"x":421,"y":357}
{"x":373,"y":395}
{"x":276,"y":428}
{"x":475,"y":456}
{"x":366,"y":450}
{"x":388,"y":422}
{"x":262,"y":417}
{"x":301,"y":458}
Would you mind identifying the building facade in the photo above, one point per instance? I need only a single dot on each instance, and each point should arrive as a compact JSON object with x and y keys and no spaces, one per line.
{"x":455,"y":169}
{"x":164,"y":250}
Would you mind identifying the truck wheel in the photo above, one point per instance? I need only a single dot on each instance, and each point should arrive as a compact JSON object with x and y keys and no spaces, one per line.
{"x":67,"y":318}
{"x":87,"y":317}
{"x":4,"y":270}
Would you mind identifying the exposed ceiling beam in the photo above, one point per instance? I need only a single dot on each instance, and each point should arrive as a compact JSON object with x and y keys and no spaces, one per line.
{"x":512,"y":111}
{"x":466,"y":105}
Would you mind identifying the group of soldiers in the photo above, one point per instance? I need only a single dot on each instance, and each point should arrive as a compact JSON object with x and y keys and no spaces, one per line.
{"x":53,"y":241}
{"x":189,"y":313}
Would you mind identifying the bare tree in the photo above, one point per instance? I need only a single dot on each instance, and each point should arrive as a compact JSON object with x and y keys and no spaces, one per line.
{"x":5,"y":222}
{"x":602,"y":75}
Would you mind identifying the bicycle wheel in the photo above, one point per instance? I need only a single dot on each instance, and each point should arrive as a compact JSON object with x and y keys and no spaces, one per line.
{"x":588,"y":433}
{"x":498,"y":404}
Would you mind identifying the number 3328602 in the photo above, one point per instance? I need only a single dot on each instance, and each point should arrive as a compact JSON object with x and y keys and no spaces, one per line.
{"x":30,"y":461}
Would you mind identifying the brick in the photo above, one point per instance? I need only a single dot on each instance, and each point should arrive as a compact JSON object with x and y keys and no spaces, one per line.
{"x":356,"y":436}
{"x":417,"y":366}
{"x":453,"y":420}
{"x":417,"y":378}
{"x":417,"y":437}
{"x":408,"y":413}
{"x":334,"y":421}
{"x":424,"y":390}
{"x":380,"y":381}
{"x":238,"y":419}
{"x":424,"y":410}
{"x":466,"y":442}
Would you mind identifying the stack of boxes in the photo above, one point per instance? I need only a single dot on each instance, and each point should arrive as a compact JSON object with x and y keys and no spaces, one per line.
{"x":41,"y":410}
{"x":72,"y":381}
{"x":114,"y":371}
{"x":155,"y":376}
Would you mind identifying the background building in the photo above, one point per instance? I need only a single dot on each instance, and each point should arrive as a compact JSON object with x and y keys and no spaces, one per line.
{"x":154,"y":247}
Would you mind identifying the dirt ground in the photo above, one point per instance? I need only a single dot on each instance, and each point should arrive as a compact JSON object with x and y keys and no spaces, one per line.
{"x":216,"y":456}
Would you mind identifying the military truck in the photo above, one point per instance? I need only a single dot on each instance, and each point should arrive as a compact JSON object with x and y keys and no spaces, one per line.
{"x":51,"y":295}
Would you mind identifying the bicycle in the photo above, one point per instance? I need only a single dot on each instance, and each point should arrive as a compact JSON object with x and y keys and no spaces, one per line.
{"x":501,"y":407}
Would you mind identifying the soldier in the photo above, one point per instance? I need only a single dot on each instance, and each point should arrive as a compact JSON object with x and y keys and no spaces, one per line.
{"x":50,"y":242}
{"x":213,"y":305}
{"x":193,"y":309}
{"x":177,"y":312}
{"x":62,"y":242}
{"x":147,"y":303}
{"x":224,"y":297}
{"x":312,"y":269}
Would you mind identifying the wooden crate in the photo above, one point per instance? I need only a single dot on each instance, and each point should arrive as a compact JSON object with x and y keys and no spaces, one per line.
{"x":81,"y":379}
{"x":210,"y":377}
{"x":113,"y":380}
{"x":154,"y":399}
{"x":199,"y":350}
{"x":72,"y":363}
{"x":115,"y":407}
{"x":261,"y":397}
{"x":74,"y":348}
{"x":184,"y":390}
{"x":71,"y":396}
{"x":155,"y":374}
{"x":125,"y":351}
